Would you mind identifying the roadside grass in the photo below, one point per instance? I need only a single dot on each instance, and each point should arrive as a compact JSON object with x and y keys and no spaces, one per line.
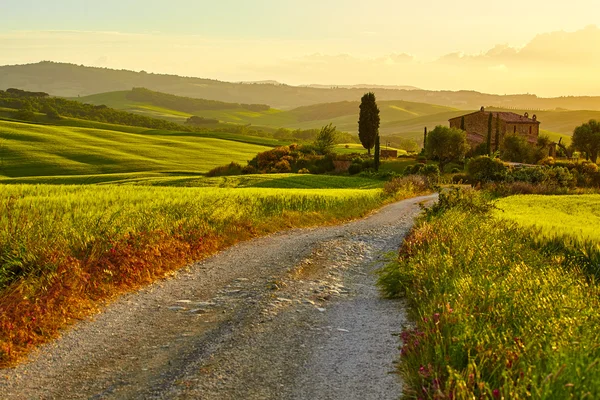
{"x":64,"y":250}
{"x":32,"y":150}
{"x":576,"y":216}
{"x":494,"y":316}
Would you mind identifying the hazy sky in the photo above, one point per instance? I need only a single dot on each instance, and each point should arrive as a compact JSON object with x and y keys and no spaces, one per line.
{"x":493,"y":47}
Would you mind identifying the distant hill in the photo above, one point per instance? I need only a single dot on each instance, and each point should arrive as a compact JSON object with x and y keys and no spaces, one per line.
{"x":71,"y":80}
{"x":363,"y":86}
{"x":343,"y":114}
{"x":398,"y":118}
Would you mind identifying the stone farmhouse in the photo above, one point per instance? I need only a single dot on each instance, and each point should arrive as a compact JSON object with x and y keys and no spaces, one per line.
{"x":506,"y":123}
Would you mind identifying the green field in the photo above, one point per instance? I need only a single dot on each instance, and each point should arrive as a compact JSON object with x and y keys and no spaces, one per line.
{"x":577,"y":215}
{"x":39,"y":150}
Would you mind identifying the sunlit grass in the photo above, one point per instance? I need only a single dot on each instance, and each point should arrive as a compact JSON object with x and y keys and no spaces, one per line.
{"x":577,"y":216}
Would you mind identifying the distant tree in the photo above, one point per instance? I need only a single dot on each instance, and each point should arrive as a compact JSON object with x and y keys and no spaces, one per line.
{"x":409,"y":145}
{"x":26,"y":112}
{"x":195,"y":120}
{"x":446,"y":145}
{"x":51,"y":113}
{"x":586,"y":139}
{"x":489,"y":135}
{"x":516,"y":149}
{"x":326,"y":139}
{"x":368,"y":121}
{"x":377,"y":153}
{"x":462,"y":123}
{"x":497,"y":141}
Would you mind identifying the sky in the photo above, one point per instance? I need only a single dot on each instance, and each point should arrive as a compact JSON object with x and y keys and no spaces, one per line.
{"x":500,"y":47}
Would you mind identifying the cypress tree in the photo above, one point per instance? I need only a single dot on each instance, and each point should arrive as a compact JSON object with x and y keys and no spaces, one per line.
{"x":425,"y":138}
{"x":377,"y":152}
{"x":488,"y":147}
{"x":462,"y":123}
{"x":497,"y":145}
{"x":368,"y":121}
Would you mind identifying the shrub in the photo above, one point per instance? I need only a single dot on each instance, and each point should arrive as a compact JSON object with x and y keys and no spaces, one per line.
{"x":355,"y":169}
{"x":486,"y":169}
{"x":303,"y":171}
{"x":283,"y":167}
{"x":231,"y":169}
{"x":461,"y":178}
{"x":411,"y":184}
{"x":249,"y":169}
{"x":455,"y":170}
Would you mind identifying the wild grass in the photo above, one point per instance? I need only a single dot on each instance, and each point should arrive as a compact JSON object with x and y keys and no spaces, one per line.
{"x":494,"y":316}
{"x":64,"y":249}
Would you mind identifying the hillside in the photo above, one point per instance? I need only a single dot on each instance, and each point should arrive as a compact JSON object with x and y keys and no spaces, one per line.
{"x":399,"y":119}
{"x":71,"y":80}
{"x":342,"y":114}
{"x":42,"y":150}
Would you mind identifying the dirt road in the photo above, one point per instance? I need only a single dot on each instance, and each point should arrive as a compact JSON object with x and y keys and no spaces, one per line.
{"x":295,"y":315}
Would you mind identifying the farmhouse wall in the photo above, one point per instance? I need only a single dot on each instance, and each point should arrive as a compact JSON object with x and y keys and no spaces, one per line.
{"x":388,"y":153}
{"x":476,"y":126}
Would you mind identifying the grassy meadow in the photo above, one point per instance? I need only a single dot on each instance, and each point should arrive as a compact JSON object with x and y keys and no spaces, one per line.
{"x":577,"y":216}
{"x":494,"y":315}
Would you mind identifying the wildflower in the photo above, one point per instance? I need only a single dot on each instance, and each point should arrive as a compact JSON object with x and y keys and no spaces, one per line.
{"x":496,"y":393}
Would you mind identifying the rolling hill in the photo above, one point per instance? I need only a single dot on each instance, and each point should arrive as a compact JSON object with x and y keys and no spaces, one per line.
{"x":43,"y":150}
{"x":71,"y":80}
{"x":394,"y":114}
{"x":399,"y":119}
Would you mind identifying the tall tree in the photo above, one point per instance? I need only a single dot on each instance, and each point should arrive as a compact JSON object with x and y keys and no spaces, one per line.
{"x":488,"y":148}
{"x":368,"y":121}
{"x":497,"y":141}
{"x":377,"y":152}
{"x":586,"y":138}
{"x":462,"y":123}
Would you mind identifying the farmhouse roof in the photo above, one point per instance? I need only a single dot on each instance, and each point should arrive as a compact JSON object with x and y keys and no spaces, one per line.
{"x":506,"y":116}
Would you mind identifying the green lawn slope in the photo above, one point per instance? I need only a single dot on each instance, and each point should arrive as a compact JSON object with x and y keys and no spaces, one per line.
{"x":28,"y":150}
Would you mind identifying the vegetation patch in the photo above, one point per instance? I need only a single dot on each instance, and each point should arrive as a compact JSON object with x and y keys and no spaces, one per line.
{"x":495,"y":315}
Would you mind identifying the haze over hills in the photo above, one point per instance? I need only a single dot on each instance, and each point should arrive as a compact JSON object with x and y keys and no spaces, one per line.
{"x":71,"y":80}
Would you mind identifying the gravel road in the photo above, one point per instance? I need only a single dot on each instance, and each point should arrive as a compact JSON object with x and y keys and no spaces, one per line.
{"x":295,"y":315}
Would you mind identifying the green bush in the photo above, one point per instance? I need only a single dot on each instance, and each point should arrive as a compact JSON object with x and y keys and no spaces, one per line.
{"x":485,"y":169}
{"x":355,"y":169}
{"x":225,"y":170}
